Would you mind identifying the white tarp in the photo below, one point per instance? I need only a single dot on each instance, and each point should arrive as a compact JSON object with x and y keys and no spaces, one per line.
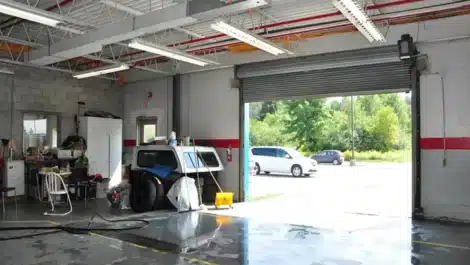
{"x":183,"y":195}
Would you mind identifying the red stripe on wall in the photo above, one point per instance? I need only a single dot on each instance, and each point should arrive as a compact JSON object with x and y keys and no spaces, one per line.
{"x":452,"y":143}
{"x":129,"y":143}
{"x":217,"y":143}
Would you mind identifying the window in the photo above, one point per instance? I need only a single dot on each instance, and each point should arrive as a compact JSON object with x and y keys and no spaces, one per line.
{"x":146,"y":129}
{"x":39,"y":131}
{"x":282,"y":153}
{"x":264,"y":152}
{"x":150,"y":158}
{"x":210,"y":158}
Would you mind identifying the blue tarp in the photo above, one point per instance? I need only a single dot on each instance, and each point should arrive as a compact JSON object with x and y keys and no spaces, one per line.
{"x":159,"y":170}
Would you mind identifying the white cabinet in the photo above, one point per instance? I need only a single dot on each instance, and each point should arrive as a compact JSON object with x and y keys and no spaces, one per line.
{"x":13,"y":177}
{"x":104,"y":147}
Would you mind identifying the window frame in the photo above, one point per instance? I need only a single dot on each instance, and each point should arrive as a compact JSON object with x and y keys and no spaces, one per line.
{"x":58,"y":117}
{"x":141,"y":121}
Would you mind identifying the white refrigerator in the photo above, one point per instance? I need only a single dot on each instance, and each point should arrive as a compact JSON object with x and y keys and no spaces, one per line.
{"x":104,"y":149}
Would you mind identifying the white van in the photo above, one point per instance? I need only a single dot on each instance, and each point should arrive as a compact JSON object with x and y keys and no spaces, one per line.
{"x":282,"y":160}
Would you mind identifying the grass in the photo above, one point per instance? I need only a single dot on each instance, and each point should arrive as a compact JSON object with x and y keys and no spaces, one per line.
{"x":376,"y":156}
{"x":264,"y":197}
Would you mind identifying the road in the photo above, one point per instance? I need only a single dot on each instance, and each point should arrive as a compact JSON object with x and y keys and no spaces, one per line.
{"x":368,"y":189}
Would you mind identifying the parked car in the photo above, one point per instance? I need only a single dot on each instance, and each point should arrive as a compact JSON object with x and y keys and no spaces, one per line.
{"x":329,"y":156}
{"x":282,"y":160}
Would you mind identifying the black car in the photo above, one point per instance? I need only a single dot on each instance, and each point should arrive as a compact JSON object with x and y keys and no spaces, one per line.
{"x":329,"y":156}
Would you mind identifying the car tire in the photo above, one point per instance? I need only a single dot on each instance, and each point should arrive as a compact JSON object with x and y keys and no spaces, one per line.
{"x":296,"y":171}
{"x":258,"y":170}
{"x":336,"y":162}
{"x":143,"y":193}
{"x":267,"y":172}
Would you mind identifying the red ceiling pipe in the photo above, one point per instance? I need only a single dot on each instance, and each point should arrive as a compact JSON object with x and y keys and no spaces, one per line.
{"x":221,"y":47}
{"x":288,"y":22}
{"x":50,"y":8}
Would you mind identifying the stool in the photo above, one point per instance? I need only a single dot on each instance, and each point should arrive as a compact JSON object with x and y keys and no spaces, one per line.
{"x":6,"y":190}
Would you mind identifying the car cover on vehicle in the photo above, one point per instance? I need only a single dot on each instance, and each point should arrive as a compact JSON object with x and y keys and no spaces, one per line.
{"x":183,"y":195}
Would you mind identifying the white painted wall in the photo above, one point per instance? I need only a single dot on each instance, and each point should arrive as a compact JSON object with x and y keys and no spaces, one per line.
{"x":210,"y":110}
{"x":160,"y":105}
{"x":445,"y":184}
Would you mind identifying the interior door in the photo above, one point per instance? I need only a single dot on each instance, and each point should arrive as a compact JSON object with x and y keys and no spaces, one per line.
{"x":97,"y":146}
{"x":115,"y":152}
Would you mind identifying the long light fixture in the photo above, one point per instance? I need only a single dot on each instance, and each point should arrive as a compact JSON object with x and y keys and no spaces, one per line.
{"x":101,"y":71}
{"x":248,"y":37}
{"x":358,"y":17}
{"x":15,"y":12}
{"x":143,"y":45}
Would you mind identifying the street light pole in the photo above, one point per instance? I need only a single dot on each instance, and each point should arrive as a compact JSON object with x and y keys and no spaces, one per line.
{"x":353,"y":155}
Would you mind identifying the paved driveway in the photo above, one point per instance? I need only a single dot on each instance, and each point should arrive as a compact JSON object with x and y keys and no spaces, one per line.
{"x":377,"y":189}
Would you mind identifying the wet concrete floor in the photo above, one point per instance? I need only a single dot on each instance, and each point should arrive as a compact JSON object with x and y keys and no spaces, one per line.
{"x":212,"y":239}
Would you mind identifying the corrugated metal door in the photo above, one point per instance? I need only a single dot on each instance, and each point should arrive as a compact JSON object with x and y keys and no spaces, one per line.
{"x":346,"y":73}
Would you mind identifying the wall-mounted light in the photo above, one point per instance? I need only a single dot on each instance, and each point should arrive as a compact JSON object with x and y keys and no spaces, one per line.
{"x":406,"y":47}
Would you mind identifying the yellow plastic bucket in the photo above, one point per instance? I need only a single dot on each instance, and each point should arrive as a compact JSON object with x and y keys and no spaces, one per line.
{"x":223,"y":199}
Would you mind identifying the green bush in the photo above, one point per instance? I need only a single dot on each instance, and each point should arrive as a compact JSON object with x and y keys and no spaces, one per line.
{"x":391,"y":156}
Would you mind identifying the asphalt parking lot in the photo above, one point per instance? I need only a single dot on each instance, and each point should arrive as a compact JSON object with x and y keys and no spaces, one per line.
{"x":369,"y":189}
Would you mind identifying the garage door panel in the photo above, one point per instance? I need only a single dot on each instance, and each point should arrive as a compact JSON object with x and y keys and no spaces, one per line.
{"x":362,"y":79}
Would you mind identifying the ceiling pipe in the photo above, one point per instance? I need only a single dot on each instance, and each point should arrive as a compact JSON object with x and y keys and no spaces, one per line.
{"x":346,"y":27}
{"x":288,"y":22}
{"x":18,"y":21}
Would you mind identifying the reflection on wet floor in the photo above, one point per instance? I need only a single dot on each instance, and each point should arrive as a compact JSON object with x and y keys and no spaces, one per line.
{"x":233,"y":240}
{"x":199,"y":238}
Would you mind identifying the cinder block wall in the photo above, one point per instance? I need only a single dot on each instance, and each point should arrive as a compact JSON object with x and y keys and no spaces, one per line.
{"x":43,"y":90}
{"x":160,"y":106}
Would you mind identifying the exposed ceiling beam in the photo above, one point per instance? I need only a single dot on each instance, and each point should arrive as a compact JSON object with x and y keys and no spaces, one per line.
{"x":174,"y":16}
{"x":134,"y":12}
{"x":45,"y":13}
{"x":190,"y":33}
{"x":122,"y":7}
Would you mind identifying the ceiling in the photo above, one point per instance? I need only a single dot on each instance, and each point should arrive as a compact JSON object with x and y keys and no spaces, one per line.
{"x":80,"y":17}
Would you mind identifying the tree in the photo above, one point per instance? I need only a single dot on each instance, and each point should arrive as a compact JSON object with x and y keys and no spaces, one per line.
{"x":385,"y":129}
{"x":305,"y":122}
{"x":267,"y":132}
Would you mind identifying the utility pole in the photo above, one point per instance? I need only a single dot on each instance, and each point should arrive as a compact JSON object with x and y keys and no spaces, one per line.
{"x":353,"y":155}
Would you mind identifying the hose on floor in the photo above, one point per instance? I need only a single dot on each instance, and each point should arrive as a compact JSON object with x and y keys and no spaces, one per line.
{"x":76,"y":227}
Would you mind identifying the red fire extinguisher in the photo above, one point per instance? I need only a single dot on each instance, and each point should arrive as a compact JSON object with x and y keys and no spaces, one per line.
{"x":229,"y":154}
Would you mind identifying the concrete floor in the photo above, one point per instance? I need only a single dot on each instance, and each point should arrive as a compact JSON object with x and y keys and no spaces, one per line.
{"x":211,"y":239}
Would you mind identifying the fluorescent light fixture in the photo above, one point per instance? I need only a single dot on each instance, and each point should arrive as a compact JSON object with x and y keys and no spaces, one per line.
{"x":248,"y":37}
{"x":143,"y":45}
{"x":101,"y":71}
{"x":358,"y":17}
{"x":16,"y":12}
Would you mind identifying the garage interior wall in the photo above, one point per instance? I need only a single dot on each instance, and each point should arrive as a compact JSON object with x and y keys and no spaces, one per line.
{"x":159,"y":105}
{"x":445,"y":131}
{"x":37,"y":90}
{"x":210,"y":111}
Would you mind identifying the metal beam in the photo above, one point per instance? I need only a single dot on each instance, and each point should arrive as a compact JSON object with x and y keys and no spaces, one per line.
{"x":170,"y":17}
{"x":121,"y":7}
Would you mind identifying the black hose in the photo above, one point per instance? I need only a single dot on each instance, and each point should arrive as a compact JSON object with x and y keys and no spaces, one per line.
{"x":73,"y":228}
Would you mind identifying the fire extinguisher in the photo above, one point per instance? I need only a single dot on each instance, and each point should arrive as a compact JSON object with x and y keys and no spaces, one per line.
{"x":229,"y":154}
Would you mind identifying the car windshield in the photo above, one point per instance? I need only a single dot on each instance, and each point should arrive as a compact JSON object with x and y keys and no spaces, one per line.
{"x":294,"y":153}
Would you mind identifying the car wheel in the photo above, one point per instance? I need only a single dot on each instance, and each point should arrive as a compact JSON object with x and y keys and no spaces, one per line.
{"x":335,"y":162}
{"x":257,"y":169}
{"x":296,"y":171}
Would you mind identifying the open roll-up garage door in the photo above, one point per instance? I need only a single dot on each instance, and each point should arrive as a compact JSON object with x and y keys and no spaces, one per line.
{"x":344,"y":73}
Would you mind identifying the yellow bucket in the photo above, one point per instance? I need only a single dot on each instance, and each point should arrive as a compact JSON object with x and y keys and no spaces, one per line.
{"x":223,"y":199}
